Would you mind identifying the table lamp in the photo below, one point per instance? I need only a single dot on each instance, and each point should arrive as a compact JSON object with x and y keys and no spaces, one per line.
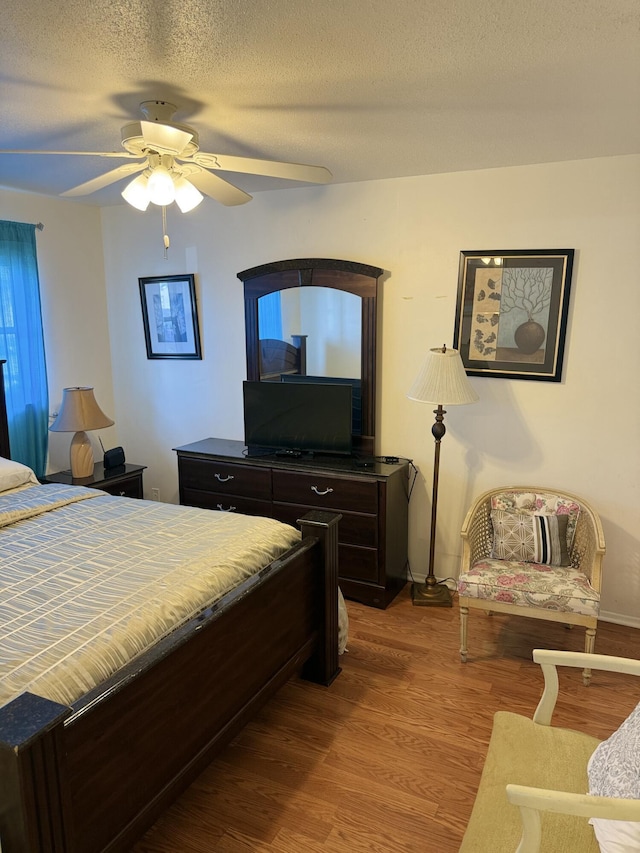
{"x":79,"y":412}
{"x":443,"y":381}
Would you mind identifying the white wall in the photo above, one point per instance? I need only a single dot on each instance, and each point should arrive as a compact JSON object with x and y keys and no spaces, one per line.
{"x":74,"y":305}
{"x":580,"y":434}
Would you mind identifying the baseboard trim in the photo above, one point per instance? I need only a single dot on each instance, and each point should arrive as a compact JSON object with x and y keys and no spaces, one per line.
{"x":619,"y":619}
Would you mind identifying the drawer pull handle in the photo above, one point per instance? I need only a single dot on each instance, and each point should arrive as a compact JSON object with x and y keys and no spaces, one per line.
{"x":320,"y":492}
{"x":229,"y":509}
{"x":222,"y":479}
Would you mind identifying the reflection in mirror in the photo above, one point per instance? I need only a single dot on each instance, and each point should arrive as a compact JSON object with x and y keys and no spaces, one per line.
{"x":325,"y":322}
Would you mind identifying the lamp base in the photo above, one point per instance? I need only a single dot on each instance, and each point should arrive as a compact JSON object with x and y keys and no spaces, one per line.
{"x":431,"y":594}
{"x":81,"y":456}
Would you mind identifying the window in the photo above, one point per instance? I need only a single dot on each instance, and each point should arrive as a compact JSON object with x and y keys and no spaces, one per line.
{"x":22,"y":346}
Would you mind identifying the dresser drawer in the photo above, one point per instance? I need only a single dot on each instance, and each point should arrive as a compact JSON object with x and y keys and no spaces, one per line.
{"x":225,"y":478}
{"x":131,"y":488}
{"x":225,"y":503}
{"x":358,"y":563}
{"x":352,"y":530}
{"x":325,"y":491}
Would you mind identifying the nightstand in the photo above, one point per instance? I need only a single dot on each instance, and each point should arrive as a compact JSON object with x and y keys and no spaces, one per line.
{"x":125,"y":480}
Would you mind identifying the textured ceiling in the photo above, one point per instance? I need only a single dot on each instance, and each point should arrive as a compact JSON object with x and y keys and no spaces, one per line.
{"x":368,"y":88}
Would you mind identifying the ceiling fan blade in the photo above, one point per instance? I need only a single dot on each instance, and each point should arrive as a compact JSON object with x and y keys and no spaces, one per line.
{"x":163,"y":138}
{"x":123,"y":155}
{"x":106,"y":179}
{"x":269,"y":168}
{"x":213,"y":185}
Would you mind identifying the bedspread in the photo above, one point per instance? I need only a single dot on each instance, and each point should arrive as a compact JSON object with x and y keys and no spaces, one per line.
{"x":88,"y":581}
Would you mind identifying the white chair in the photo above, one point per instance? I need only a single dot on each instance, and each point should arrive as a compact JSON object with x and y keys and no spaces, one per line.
{"x":514,"y":559}
{"x":533,"y":790}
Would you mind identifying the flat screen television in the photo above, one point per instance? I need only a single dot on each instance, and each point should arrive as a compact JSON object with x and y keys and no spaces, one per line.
{"x":298,"y":417}
{"x":356,"y":394}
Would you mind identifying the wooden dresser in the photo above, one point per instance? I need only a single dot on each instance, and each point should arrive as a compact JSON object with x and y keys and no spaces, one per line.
{"x":373,"y":499}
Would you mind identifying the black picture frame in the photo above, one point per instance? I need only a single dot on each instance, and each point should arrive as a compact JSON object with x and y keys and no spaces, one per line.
{"x":511,"y":312}
{"x":170,"y":316}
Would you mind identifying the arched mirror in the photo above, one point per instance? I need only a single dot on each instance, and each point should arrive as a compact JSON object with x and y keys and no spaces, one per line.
{"x":314,"y":320}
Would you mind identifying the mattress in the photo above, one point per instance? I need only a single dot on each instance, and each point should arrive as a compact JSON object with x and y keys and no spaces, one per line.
{"x":89,"y":581}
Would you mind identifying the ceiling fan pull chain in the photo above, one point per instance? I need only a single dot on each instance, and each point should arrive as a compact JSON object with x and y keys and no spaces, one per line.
{"x":165,"y":236}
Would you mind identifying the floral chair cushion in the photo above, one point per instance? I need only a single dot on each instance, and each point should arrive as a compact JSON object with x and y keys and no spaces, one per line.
{"x":566,"y":590}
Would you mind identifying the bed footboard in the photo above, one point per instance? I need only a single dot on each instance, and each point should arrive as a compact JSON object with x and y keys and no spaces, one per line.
{"x":32,"y":797}
{"x":92,"y":778}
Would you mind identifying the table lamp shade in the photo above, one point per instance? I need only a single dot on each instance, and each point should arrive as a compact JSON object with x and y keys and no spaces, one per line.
{"x":442,"y":380}
{"x":79,"y":411}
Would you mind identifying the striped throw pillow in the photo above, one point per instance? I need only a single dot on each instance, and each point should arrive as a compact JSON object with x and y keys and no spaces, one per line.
{"x":530,"y":538}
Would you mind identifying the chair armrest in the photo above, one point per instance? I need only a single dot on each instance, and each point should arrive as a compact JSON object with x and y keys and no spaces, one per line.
{"x":532,"y":801}
{"x":588,"y":547}
{"x":477,"y":532}
{"x":549,"y":659}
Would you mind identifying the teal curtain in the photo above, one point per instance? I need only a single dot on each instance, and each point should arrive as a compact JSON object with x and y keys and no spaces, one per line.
{"x":22,"y":345}
{"x":270,"y":316}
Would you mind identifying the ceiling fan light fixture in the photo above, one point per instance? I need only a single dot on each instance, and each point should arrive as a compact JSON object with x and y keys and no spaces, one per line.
{"x":187,"y":196}
{"x":173,"y":167}
{"x":162,"y":190}
{"x":136,"y":193}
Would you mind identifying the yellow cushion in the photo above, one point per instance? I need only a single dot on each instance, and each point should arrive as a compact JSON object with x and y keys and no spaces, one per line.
{"x":522,"y":752}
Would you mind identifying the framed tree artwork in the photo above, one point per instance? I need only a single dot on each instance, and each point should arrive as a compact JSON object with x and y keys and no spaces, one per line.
{"x":511,"y":312}
{"x":170,"y":316}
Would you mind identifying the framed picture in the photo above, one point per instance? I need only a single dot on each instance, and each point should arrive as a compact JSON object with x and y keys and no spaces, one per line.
{"x":170,"y":316}
{"x":511,"y":312}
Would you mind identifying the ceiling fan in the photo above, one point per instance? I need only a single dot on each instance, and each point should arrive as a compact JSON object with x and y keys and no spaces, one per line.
{"x":173,"y":168}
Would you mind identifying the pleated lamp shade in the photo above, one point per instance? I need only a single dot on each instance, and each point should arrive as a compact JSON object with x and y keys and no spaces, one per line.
{"x":442,"y":380}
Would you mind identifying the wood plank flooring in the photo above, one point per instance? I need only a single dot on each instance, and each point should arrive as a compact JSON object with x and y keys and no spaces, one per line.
{"x":389,"y":757}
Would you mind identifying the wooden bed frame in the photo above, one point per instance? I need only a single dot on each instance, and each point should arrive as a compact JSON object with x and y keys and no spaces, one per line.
{"x":278,"y":357}
{"x":95,"y":776}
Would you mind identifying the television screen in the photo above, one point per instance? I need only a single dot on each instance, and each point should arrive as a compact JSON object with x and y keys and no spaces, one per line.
{"x":356,"y":395}
{"x":298,"y":417}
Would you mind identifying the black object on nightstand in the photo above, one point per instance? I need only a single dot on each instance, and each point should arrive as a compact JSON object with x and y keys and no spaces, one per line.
{"x":125,"y":480}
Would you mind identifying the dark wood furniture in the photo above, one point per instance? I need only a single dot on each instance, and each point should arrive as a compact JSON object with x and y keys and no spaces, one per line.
{"x":279,"y":357}
{"x":124,"y":481}
{"x":94,"y":776}
{"x":350,"y":276}
{"x":372,"y":499}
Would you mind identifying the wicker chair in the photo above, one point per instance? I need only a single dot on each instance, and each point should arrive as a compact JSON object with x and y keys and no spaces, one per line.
{"x":567,"y":593}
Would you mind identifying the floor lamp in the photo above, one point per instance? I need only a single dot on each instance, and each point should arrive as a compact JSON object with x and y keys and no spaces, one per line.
{"x":442,"y":381}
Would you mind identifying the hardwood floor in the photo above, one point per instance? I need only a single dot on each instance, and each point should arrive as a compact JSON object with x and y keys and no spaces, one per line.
{"x":389,"y":757}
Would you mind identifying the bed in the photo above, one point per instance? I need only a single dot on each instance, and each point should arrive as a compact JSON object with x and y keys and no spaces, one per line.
{"x":91,"y":772}
{"x":279,"y":358}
